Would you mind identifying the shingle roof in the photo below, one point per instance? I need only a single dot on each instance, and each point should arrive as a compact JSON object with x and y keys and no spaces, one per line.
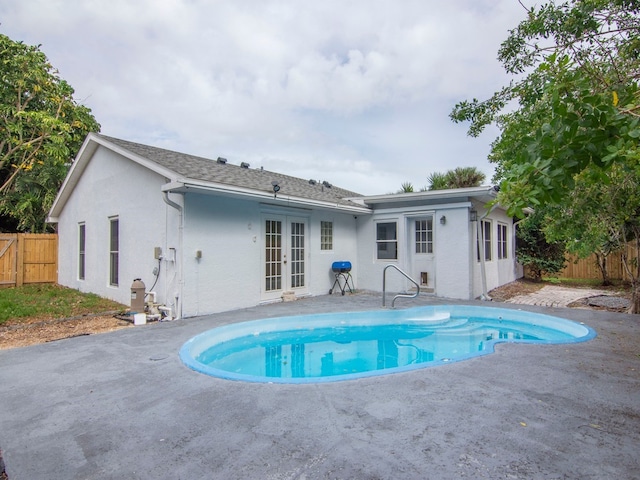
{"x":208,"y":170}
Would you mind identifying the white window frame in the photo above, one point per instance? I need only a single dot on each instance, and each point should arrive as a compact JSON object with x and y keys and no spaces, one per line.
{"x":503,"y":248}
{"x":389,"y":244}
{"x":485,"y":235}
{"x":326,"y":235}
{"x":114,"y":251}
{"x":82,"y":249}
{"x":423,"y":243}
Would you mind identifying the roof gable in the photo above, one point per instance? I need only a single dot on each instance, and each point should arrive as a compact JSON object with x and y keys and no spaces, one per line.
{"x":190,"y":171}
{"x":186,"y":172}
{"x":190,"y":167}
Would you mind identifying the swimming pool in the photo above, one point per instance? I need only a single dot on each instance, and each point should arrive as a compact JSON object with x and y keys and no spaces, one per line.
{"x":343,"y":346}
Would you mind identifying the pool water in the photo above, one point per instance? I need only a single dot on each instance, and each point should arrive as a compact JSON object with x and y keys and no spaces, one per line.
{"x":330,"y":347}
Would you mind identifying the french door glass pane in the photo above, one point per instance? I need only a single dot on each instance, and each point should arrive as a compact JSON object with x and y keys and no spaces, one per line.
{"x":273,"y":255}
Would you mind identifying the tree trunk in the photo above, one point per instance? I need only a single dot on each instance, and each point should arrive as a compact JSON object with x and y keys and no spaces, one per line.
{"x":635,"y":297}
{"x":601,"y":261}
{"x":534,"y":272}
{"x":634,"y":274}
{"x":635,"y":281}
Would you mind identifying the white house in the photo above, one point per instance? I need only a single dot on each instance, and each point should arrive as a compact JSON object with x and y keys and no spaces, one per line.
{"x":208,"y":236}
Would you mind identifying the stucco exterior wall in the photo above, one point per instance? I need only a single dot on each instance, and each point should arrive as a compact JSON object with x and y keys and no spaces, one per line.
{"x":345,"y":248}
{"x":450,"y":274}
{"x":213,"y":244}
{"x":453,"y":252}
{"x":112,"y":186}
{"x":229,"y":234}
{"x":455,"y":273}
{"x":497,"y":271}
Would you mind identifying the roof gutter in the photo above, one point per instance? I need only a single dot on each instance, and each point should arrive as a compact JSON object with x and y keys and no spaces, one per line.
{"x":429,"y":194}
{"x":183,"y":186}
{"x":171,"y":203}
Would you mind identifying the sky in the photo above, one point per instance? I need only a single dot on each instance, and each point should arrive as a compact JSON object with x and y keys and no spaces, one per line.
{"x":357,"y":93}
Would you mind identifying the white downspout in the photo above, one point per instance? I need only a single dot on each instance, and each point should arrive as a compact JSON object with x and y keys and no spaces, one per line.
{"x":483,"y":272}
{"x":178,"y":207}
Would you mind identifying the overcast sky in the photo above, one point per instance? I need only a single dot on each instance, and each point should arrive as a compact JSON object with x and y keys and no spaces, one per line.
{"x":357,"y":93}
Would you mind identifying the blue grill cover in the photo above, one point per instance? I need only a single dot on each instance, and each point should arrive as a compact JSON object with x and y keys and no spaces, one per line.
{"x":341,"y":267}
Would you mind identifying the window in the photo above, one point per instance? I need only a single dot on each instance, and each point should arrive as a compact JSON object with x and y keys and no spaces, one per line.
{"x":485,"y":225}
{"x":502,"y":241}
{"x":81,"y":250}
{"x":424,"y":235}
{"x":326,"y":235}
{"x":387,"y":241}
{"x":113,"y":251}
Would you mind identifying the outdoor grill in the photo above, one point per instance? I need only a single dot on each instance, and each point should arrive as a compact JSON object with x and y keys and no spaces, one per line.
{"x":342,"y":272}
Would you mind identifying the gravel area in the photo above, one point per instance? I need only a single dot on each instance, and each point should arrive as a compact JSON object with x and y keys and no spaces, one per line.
{"x":609,"y":302}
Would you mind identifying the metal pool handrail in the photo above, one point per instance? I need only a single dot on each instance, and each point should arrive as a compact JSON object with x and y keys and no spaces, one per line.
{"x":403,"y":295}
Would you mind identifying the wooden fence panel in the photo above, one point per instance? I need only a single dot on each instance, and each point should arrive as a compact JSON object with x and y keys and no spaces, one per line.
{"x":28,"y":258}
{"x":39,"y":254}
{"x":587,"y":268}
{"x":8,"y":248}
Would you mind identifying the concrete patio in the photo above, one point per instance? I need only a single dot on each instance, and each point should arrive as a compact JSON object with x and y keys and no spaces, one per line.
{"x":122,"y":405}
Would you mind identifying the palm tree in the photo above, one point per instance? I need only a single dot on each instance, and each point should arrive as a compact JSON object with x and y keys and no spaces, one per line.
{"x":438,"y":181}
{"x":407,"y":187}
{"x":461,"y":177}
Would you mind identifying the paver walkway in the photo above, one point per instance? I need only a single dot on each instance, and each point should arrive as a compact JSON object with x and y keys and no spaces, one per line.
{"x":554,"y":296}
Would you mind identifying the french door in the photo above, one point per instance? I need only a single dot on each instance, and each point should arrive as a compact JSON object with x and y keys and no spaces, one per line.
{"x":284,"y":256}
{"x":420,"y":250}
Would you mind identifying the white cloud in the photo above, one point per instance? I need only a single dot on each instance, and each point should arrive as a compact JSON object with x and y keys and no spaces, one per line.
{"x":357,"y":91}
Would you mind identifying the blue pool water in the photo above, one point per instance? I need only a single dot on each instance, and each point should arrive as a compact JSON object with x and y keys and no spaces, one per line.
{"x":341,"y":346}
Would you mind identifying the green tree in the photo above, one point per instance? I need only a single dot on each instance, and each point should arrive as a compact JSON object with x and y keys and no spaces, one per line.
{"x":574,"y":102}
{"x":534,"y":251}
{"x":602,"y":217}
{"x":619,"y":201}
{"x":460,"y":177}
{"x":41,"y":129}
{"x":584,"y":222}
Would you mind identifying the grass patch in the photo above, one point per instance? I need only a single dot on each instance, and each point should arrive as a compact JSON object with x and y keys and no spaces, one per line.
{"x":616,"y":285}
{"x":46,"y":301}
{"x":574,"y":282}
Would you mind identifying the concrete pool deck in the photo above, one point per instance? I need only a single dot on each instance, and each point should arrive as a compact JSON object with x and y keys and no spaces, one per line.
{"x":122,"y":405}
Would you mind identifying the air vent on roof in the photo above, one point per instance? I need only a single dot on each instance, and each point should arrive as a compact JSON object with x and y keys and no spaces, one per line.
{"x":222,"y":160}
{"x":312,"y":182}
{"x":326,"y":184}
{"x":244,"y":165}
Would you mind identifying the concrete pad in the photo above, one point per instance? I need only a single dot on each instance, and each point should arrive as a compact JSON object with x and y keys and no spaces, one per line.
{"x":122,"y":405}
